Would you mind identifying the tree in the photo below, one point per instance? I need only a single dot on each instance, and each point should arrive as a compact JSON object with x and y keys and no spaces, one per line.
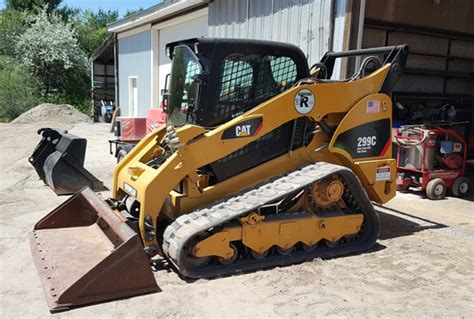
{"x":131,"y":12}
{"x":49,"y":49}
{"x":92,"y":28}
{"x":19,"y":90}
{"x":30,"y":5}
{"x":11,"y":26}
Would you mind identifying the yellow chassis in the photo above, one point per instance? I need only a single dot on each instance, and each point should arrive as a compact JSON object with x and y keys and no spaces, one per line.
{"x":342,"y":104}
{"x":283,"y":231}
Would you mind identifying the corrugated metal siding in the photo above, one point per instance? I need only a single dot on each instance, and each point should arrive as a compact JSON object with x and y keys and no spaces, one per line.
{"x":189,"y":29}
{"x":305,"y":23}
{"x":134,"y":59}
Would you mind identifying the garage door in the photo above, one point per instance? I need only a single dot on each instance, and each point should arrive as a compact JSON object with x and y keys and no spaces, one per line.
{"x":183,"y":30}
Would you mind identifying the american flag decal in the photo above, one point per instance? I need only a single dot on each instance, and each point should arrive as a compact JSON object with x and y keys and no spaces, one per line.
{"x":373,"y":106}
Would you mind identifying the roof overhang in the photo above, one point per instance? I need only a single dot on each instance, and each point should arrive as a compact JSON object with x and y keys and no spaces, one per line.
{"x":154,"y":14}
{"x":105,"y":52}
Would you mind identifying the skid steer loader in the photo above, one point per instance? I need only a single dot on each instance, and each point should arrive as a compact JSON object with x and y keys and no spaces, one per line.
{"x":264,"y":162}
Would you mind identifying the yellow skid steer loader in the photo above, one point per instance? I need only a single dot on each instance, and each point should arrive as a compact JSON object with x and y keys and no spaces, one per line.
{"x":263,"y":162}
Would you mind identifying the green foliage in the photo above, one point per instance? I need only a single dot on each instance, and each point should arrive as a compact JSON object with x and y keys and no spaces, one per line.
{"x":19,"y":90}
{"x":81,"y":103}
{"x":132,"y":12}
{"x":11,"y":26}
{"x":49,"y":49}
{"x":68,"y":14}
{"x":53,"y":99}
{"x":77,"y":88}
{"x":91,"y":28}
{"x":44,"y":48}
{"x":29,"y":5}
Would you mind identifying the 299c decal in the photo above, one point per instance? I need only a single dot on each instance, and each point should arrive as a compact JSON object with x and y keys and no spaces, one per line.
{"x":365,"y":143}
{"x":366,"y":140}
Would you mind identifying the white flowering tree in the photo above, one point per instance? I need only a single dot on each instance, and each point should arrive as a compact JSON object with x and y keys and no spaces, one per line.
{"x":49,"y":49}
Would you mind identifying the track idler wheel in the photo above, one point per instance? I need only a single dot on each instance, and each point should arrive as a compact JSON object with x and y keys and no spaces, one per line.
{"x":192,"y":260}
{"x":231,"y":257}
{"x":308,"y":248}
{"x":331,"y":244}
{"x":258,"y":255}
{"x":285,"y":252}
{"x":327,"y":192}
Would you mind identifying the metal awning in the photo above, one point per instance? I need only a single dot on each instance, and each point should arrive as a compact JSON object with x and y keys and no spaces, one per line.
{"x":157,"y":13}
{"x":105,"y":52}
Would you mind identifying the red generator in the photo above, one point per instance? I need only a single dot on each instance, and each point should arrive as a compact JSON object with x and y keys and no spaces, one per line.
{"x":431,"y":158}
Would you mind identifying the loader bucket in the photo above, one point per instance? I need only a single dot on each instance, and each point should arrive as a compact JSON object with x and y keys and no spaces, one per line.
{"x":59,"y":161}
{"x":85,"y":252}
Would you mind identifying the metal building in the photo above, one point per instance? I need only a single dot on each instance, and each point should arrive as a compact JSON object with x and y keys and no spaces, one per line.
{"x":440,"y":33}
{"x":440,"y":67}
{"x":305,"y":23}
{"x":141,"y":63}
{"x":103,"y":75}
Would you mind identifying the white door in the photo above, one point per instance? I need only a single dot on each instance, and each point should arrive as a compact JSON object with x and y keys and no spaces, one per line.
{"x":133,"y":96}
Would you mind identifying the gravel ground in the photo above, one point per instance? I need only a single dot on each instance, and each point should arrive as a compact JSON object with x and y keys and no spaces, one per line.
{"x":58,"y":113}
{"x":422,"y":266}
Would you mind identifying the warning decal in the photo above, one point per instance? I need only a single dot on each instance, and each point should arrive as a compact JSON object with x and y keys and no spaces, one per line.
{"x":382,"y":174}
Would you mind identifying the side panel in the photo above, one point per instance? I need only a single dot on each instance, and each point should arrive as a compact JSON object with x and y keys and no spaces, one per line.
{"x":366,"y":140}
{"x":134,"y":55}
{"x":363,"y":141}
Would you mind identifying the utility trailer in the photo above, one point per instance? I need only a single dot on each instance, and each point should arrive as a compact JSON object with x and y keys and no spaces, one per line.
{"x":119,"y":148}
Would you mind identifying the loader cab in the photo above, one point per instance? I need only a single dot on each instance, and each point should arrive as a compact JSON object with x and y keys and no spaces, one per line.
{"x":215,"y":80}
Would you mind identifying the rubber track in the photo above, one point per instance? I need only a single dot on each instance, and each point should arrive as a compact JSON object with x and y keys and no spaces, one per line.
{"x":184,"y":228}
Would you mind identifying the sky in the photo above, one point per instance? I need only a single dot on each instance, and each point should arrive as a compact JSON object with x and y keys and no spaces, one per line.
{"x":121,"y":5}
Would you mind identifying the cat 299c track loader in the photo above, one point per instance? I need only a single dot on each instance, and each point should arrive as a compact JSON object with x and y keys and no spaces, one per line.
{"x":264,"y":162}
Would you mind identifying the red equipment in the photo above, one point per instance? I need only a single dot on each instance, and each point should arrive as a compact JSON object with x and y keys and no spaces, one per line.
{"x":132,"y":130}
{"x":155,"y":118}
{"x":433,"y":158}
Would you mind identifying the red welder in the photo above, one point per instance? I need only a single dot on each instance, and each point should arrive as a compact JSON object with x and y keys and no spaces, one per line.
{"x":431,"y":158}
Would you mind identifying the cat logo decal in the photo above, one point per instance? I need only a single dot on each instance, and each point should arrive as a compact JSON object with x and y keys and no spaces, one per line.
{"x":244,"y":129}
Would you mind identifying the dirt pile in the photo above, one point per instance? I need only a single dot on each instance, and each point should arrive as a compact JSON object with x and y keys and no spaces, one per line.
{"x":61,"y":113}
